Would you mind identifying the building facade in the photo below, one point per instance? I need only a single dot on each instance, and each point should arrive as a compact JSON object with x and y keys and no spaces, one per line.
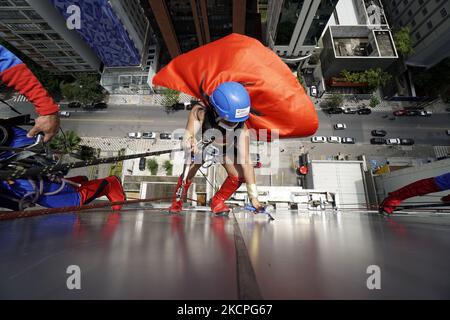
{"x":357,"y":38}
{"x":429,"y":23}
{"x":37,"y":30}
{"x":294,"y":27}
{"x":187,"y":24}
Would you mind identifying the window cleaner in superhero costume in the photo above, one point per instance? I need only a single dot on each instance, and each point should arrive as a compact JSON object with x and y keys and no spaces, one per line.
{"x":20,"y":193}
{"x":418,"y":188}
{"x":15,"y":74}
{"x":243,"y":85}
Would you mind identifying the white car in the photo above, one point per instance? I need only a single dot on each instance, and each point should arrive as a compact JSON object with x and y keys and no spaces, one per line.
{"x":340,"y":126}
{"x":135,"y":135}
{"x":425,"y":113}
{"x":393,"y":142}
{"x":447,"y":132}
{"x":65,"y":114}
{"x":148,"y":135}
{"x":318,"y":139}
{"x":334,"y":139}
{"x":313,"y":91}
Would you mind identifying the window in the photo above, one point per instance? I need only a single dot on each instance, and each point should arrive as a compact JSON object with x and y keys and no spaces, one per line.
{"x":425,"y":11}
{"x":443,"y":13}
{"x":405,"y":2}
{"x":413,"y":23}
{"x":421,"y":2}
{"x":430,"y":25}
{"x":418,"y":36}
{"x":409,"y":13}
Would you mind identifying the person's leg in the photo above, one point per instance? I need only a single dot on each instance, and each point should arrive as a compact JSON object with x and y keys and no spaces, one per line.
{"x":177,"y":205}
{"x":230,"y":185}
{"x":111,"y":187}
{"x":418,"y":188}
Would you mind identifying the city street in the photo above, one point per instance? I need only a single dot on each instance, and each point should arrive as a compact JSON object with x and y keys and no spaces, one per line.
{"x":117,"y":121}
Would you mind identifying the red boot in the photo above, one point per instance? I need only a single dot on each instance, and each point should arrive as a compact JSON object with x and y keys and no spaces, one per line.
{"x":230,"y":186}
{"x":446,"y":199}
{"x":110,"y":187}
{"x":177,"y":205}
{"x":418,"y":188}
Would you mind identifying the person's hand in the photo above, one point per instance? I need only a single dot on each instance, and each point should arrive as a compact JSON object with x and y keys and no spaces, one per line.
{"x":190,"y":145}
{"x":257,"y":205}
{"x":49,"y":125}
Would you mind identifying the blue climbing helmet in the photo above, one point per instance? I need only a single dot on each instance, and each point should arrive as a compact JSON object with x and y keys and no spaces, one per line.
{"x":231,"y":102}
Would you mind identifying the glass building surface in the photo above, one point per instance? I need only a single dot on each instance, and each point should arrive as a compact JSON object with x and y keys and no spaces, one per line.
{"x":220,"y":18}
{"x":288,"y":19}
{"x":320,"y":21}
{"x":180,"y":12}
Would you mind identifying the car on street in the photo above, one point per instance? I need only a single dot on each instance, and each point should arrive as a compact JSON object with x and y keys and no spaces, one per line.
{"x":447,"y":132}
{"x":100,"y":105}
{"x":313,"y":91}
{"x":177,"y":106}
{"x":377,"y":141}
{"x":340,"y":126}
{"x":335,"y":111}
{"x":406,"y":142}
{"x":318,"y":139}
{"x":424,"y":113}
{"x":393,"y":141}
{"x":350,"y":111}
{"x":379,"y":133}
{"x":148,"y":135}
{"x":135,"y":135}
{"x":413,"y":113}
{"x":165,"y":136}
{"x":334,"y":139}
{"x":400,"y":113}
{"x":64,"y":114}
{"x":348,"y":140}
{"x":364,"y":111}
{"x":75,"y":105}
{"x":178,"y":136}
{"x":142,"y":164}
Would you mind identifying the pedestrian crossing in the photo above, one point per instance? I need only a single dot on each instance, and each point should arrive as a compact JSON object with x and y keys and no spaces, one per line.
{"x":20,"y":98}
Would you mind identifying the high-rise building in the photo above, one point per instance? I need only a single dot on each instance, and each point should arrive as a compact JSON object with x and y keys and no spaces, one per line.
{"x":357,"y":38}
{"x":187,"y":24}
{"x":429,"y":23}
{"x":294,"y":27}
{"x":38,"y":30}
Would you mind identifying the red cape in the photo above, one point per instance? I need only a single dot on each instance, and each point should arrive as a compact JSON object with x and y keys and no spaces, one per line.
{"x":275,"y":92}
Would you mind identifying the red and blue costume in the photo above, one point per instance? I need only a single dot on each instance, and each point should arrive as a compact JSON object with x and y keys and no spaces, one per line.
{"x":18,"y":194}
{"x":418,"y":188}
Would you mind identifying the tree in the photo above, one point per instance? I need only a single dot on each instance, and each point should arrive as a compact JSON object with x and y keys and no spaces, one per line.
{"x":152,"y":166}
{"x":65,"y":143}
{"x":375,"y":78}
{"x":374,"y":101}
{"x":170,"y":97}
{"x":314,"y":59}
{"x":300,"y":79}
{"x":403,"y":41}
{"x":168,"y":166}
{"x":335,"y":101}
{"x":86,"y":89}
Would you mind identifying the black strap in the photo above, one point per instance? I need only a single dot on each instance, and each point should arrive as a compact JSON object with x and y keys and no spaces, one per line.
{"x":100,"y":189}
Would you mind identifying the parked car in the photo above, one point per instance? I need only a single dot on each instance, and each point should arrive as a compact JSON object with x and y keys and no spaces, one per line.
{"x":100,"y":105}
{"x":379,"y":133}
{"x":178,"y":136}
{"x":393,"y":141}
{"x":350,"y":111}
{"x":364,"y":111}
{"x":340,"y":126}
{"x":412,"y":113}
{"x":142,"y":164}
{"x":165,"y":136}
{"x":64,"y":114}
{"x":318,"y":139}
{"x":313,"y":91}
{"x":148,"y":135}
{"x":335,"y":111}
{"x":135,"y":135}
{"x":177,"y":106}
{"x":400,"y":113}
{"x":377,"y":141}
{"x":348,"y":140}
{"x":407,"y":142}
{"x":334,"y":139}
{"x":425,"y":113}
{"x":75,"y":105}
{"x":447,"y":132}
